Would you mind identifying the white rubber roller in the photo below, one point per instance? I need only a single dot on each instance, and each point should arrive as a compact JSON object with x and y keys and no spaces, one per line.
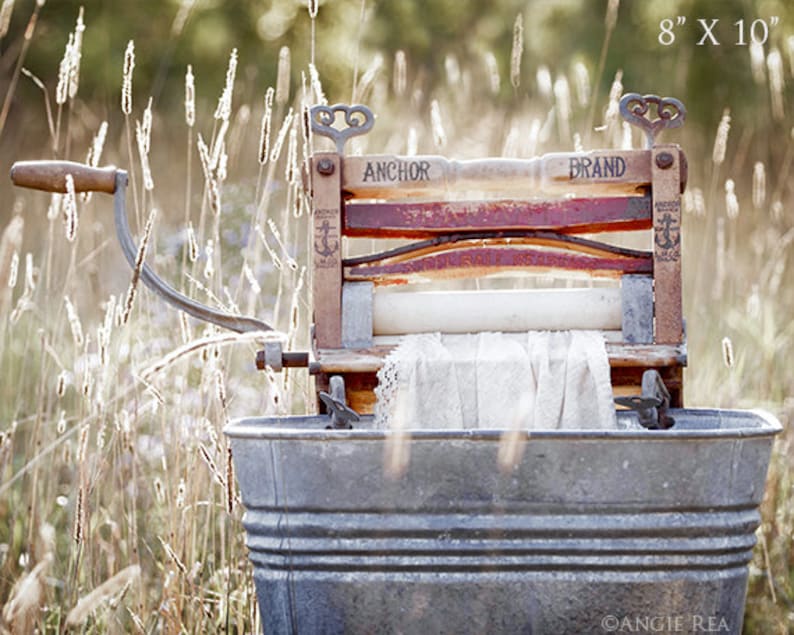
{"x":500,"y":310}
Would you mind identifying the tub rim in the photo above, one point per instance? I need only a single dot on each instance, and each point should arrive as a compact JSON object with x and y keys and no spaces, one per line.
{"x":274,"y":427}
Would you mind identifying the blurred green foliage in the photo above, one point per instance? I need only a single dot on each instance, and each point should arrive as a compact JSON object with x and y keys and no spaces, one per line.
{"x":556,"y":34}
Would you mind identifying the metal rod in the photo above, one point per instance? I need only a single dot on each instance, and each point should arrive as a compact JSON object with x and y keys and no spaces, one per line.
{"x":563,"y":240}
{"x":237,"y":323}
{"x":290,"y":359}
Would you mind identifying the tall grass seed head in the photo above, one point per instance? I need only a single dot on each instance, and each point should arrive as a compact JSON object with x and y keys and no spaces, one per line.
{"x":582,"y":83}
{"x":774,"y":63}
{"x":611,"y":17}
{"x":517,"y":51}
{"x":437,"y":125}
{"x":543,"y":80}
{"x":70,"y":209}
{"x":283,"y":76}
{"x":731,"y":201}
{"x":721,"y":139}
{"x":143,"y":154}
{"x":399,"y":80}
{"x":5,"y":16}
{"x":282,"y":135}
{"x":317,"y":86}
{"x":76,"y":54}
{"x":267,"y":124}
{"x":140,"y":258}
{"x":757,"y":61}
{"x":727,"y":352}
{"x":224,"y":109}
{"x":190,"y":97}
{"x":759,"y":185}
{"x":10,"y":244}
{"x":64,"y":72}
{"x":126,"y":82}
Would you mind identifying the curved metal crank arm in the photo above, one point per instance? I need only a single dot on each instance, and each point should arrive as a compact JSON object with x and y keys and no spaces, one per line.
{"x":238,"y":323}
{"x":50,"y":176}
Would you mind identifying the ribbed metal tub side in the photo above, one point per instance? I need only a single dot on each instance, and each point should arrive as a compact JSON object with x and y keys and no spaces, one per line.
{"x":588,"y":528}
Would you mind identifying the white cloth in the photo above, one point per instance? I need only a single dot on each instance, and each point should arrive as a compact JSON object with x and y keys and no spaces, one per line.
{"x":536,"y":380}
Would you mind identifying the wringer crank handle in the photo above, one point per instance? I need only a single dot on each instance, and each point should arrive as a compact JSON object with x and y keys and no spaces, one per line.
{"x":50,"y":176}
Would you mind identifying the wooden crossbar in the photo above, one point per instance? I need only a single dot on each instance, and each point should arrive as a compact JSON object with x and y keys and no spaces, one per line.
{"x":421,"y":219}
{"x":601,"y":172}
{"x":470,"y":262}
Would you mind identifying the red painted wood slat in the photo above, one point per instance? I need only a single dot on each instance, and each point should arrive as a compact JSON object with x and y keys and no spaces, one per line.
{"x":570,"y":216}
{"x":476,"y":261}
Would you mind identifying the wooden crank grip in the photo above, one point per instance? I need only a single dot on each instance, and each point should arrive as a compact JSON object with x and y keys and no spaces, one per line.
{"x":50,"y":176}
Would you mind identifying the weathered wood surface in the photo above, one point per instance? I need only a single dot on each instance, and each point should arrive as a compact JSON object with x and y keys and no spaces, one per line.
{"x":479,"y":261}
{"x":327,"y":251}
{"x":50,"y":176}
{"x":425,"y":219}
{"x":667,"y":245}
{"x":370,"y":360}
{"x":360,"y":386}
{"x":492,"y":239}
{"x":602,"y":172}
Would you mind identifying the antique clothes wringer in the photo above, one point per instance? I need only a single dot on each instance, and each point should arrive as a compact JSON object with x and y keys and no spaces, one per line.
{"x":532,"y":220}
{"x":589,"y":524}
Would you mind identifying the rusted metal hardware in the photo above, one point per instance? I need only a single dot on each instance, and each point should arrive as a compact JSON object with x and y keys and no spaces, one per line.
{"x":671,"y":113}
{"x":342,"y":416}
{"x":274,"y":356}
{"x":359,"y":120}
{"x":652,"y":405}
{"x":325,"y":167}
{"x":664,"y":160}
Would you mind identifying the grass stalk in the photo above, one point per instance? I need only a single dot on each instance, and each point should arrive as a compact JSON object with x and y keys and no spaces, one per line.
{"x":28,"y":37}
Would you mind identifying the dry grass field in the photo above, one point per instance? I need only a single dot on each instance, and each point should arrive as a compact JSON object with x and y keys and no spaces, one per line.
{"x":119,"y":510}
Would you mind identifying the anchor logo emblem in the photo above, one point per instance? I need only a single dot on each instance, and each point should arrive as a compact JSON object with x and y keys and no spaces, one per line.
{"x":668,"y":236}
{"x":328,"y":249}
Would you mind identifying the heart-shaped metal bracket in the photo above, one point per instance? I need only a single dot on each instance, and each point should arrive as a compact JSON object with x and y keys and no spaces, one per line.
{"x":359,"y":120}
{"x":671,"y":113}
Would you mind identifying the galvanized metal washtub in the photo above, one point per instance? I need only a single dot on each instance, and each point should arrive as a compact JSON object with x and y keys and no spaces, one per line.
{"x":588,"y":530}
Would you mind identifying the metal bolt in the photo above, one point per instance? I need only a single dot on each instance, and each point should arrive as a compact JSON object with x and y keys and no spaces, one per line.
{"x":664,"y":160}
{"x":325,"y":166}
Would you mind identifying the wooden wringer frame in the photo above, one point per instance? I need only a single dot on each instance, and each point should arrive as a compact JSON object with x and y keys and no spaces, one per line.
{"x":534,"y":219}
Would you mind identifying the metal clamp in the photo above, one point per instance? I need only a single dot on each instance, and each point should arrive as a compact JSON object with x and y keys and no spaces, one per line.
{"x":652,"y":405}
{"x":671,"y":113}
{"x":359,"y":120}
{"x":342,"y":415}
